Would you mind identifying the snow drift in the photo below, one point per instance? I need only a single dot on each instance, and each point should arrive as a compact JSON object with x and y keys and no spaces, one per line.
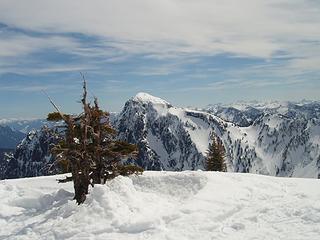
{"x":163,"y":205}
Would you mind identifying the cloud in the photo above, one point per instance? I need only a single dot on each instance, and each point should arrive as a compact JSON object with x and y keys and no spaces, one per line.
{"x":17,"y":44}
{"x":255,"y":28}
{"x":27,"y":53}
{"x":172,"y":34}
{"x":32,"y":68}
{"x":34,"y":88}
{"x":242,"y":84}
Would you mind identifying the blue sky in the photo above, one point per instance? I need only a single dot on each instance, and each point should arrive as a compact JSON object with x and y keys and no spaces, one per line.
{"x":189,"y":52}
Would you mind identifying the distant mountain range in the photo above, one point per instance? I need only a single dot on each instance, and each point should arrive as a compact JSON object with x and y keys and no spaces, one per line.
{"x":12,"y":132}
{"x":10,"y":138}
{"x":245,"y":113}
{"x":23,"y":125}
{"x":278,"y":139}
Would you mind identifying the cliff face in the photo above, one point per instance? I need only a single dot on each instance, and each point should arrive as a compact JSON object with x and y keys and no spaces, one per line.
{"x":161,"y":132}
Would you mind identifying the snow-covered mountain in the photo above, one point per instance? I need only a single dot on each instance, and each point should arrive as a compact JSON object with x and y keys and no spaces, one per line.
{"x":5,"y":156}
{"x":12,"y":132}
{"x":9,"y":138}
{"x":32,"y":156}
{"x":274,"y":139}
{"x":163,"y":205}
{"x":278,"y":139}
{"x":169,"y":138}
{"x":284,"y":136}
{"x":24,"y":125}
{"x":245,"y":113}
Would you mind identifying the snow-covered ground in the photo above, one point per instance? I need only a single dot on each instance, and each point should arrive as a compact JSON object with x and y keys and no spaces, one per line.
{"x":163,"y":205}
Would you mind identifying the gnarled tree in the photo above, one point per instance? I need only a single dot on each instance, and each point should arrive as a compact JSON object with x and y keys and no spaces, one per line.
{"x":89,"y":148}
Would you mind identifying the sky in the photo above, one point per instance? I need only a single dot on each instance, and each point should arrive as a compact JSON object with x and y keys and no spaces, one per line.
{"x":189,"y":52}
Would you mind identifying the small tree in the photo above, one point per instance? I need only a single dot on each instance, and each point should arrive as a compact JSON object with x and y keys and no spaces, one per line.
{"x":89,"y":148}
{"x":215,"y":160}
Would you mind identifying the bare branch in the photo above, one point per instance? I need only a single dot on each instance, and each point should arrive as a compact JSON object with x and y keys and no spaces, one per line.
{"x":54,"y":105}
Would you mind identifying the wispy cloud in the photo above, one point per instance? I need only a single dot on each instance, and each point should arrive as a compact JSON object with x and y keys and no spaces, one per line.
{"x":26,"y":68}
{"x":17,"y":44}
{"x":257,"y":29}
{"x":164,"y":29}
{"x":34,"y":88}
{"x":176,"y":46}
{"x":242,"y":84}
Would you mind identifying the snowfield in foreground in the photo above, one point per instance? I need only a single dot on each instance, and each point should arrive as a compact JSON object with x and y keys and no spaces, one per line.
{"x":163,"y":205}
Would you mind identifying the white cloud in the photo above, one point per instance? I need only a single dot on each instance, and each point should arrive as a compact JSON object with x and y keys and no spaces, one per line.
{"x":242,"y":84}
{"x":257,"y":28}
{"x":45,"y":69}
{"x":35,"y":88}
{"x":185,"y":29}
{"x":19,"y":44}
{"x":16,"y":49}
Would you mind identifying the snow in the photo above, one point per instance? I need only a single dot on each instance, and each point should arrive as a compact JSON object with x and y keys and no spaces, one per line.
{"x":200,"y":134}
{"x":157,"y":146}
{"x":198,"y":130}
{"x":23,"y":124}
{"x":5,"y":121}
{"x":280,"y":105}
{"x":163,"y":205}
{"x":145,"y":97}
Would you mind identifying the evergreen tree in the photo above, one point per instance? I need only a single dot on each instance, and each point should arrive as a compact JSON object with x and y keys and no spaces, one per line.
{"x":215,"y":160}
{"x":89,"y":149}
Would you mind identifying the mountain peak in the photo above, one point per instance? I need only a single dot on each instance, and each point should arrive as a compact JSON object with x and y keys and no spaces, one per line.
{"x":146,"y":97}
